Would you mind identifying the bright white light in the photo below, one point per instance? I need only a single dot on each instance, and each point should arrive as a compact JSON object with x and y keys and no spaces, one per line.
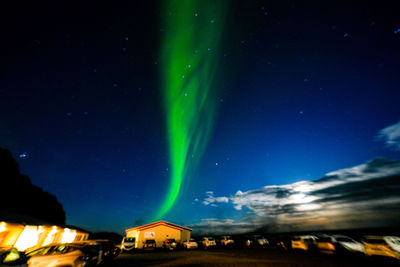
{"x":28,"y":238}
{"x":308,"y":207}
{"x":302,"y":198}
{"x":2,"y":227}
{"x":68,"y":236}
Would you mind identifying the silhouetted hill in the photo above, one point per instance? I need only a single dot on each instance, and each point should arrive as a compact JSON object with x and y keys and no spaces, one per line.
{"x":19,"y":196}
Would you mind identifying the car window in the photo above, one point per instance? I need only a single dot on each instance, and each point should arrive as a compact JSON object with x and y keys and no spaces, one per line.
{"x":40,"y":251}
{"x":61,"y":249}
{"x":129,"y":239}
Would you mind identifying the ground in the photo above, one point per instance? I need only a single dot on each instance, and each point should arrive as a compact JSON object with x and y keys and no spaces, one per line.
{"x":243,"y":257}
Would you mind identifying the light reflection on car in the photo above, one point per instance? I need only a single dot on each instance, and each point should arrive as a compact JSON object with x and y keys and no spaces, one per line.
{"x":77,"y":255}
{"x":12,"y":257}
{"x":190,"y":244}
{"x":227,"y":241}
{"x":388,"y":246}
{"x":128,"y":244}
{"x":339,"y":244}
{"x":305,"y":242}
{"x":208,"y":242}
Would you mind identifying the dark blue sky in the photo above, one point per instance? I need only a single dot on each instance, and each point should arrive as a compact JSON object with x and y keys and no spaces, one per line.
{"x":306,"y":88}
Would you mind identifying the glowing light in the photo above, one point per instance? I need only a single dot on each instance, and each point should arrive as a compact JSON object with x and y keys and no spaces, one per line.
{"x":50,"y":237}
{"x":187,"y":40}
{"x":2,"y":227}
{"x":68,"y":236}
{"x":28,"y":238}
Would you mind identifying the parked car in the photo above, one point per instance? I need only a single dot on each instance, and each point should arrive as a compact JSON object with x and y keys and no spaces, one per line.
{"x":208,"y":242}
{"x":128,"y":244}
{"x":283,"y":242}
{"x":12,"y":257}
{"x":170,"y":244}
{"x":305,"y":242}
{"x":149,"y":244}
{"x":95,"y":247}
{"x":190,"y":244}
{"x":76,"y":255}
{"x":227,"y":241}
{"x":388,"y":246}
{"x":256,"y":241}
{"x":110,"y":251}
{"x":337,"y":244}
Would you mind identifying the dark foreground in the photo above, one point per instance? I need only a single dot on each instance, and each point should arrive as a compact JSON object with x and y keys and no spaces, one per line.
{"x":244,"y":257}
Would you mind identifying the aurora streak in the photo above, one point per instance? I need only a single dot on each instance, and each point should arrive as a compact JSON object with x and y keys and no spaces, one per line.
{"x":189,"y":59}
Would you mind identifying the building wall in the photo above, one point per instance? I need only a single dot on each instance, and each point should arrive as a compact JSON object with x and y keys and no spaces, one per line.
{"x":159,"y":233}
{"x":185,"y":235}
{"x":9,"y":234}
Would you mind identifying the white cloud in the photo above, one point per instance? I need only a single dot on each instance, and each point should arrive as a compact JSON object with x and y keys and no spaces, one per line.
{"x":211,"y":199}
{"x":391,"y":135}
{"x":371,"y":189}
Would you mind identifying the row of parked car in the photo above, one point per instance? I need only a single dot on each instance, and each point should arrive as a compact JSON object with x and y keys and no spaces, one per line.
{"x":128,"y":244}
{"x":388,"y":246}
{"x":77,"y":254}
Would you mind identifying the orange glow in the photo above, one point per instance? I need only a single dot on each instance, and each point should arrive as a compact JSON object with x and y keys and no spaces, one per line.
{"x":50,"y":237}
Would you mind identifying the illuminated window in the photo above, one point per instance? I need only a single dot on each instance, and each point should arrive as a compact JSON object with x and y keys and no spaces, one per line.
{"x":68,"y":236}
{"x":50,"y":237}
{"x":28,"y":238}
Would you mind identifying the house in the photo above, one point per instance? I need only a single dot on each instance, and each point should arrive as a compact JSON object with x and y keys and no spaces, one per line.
{"x":29,"y":236}
{"x":159,"y":231}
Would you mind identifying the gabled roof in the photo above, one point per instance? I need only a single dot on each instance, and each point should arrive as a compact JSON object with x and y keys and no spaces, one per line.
{"x":150,"y":225}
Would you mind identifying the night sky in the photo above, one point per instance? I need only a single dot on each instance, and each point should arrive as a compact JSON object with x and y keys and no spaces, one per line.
{"x":304,"y":133}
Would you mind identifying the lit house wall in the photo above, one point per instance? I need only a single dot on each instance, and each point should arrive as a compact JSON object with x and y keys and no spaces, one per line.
{"x":159,"y":231}
{"x":29,"y":237}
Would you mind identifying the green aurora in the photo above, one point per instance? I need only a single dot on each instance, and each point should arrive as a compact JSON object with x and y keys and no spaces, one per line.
{"x":189,"y":59}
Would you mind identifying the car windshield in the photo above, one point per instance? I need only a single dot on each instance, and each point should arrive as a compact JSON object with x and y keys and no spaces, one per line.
{"x":40,"y":251}
{"x":129,"y":239}
{"x":90,"y":250}
{"x":296,"y":238}
{"x":375,"y":241}
{"x":192,"y":240}
{"x":211,"y":239}
{"x":325,"y":239}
